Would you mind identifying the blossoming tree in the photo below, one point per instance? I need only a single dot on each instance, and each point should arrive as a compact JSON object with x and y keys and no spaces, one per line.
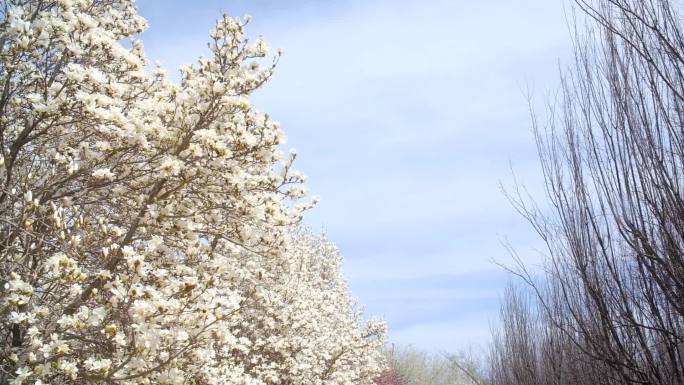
{"x":146,"y":227}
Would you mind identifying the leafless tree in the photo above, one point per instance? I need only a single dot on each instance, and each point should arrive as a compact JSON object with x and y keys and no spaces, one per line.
{"x":610,"y":307}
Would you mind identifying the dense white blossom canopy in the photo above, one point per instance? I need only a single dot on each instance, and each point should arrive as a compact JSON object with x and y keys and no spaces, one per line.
{"x":148,"y":229}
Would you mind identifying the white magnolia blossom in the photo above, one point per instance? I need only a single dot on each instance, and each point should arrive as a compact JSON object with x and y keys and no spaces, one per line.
{"x":146,"y":227}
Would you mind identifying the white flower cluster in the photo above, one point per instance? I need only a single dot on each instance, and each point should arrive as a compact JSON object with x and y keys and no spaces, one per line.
{"x":146,"y":227}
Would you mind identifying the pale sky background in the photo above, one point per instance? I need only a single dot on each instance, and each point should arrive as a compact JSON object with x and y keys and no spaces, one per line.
{"x":407,"y":115}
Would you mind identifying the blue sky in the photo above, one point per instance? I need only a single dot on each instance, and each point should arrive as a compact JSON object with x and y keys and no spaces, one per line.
{"x":407,"y":116}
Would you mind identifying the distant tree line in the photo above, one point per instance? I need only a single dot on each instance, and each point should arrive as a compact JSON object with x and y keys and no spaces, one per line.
{"x":410,"y":366}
